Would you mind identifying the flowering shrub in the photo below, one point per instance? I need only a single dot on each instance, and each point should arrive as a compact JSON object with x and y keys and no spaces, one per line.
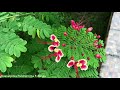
{"x":32,"y":44}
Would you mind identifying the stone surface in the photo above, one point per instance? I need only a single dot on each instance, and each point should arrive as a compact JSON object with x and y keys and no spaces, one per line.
{"x":115,"y":21}
{"x":111,"y":68}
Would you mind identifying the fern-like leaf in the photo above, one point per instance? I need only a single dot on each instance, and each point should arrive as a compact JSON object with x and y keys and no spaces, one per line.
{"x":5,"y":61}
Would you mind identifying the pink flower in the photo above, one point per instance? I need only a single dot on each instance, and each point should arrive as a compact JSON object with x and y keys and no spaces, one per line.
{"x":51,"y":48}
{"x":58,"y":53}
{"x":98,"y":36}
{"x":71,"y":63}
{"x":89,"y":29}
{"x":52,"y":37}
{"x":54,"y":47}
{"x":82,"y":63}
{"x":73,"y":22}
{"x":56,"y":44}
{"x":98,"y":56}
{"x":76,"y":26}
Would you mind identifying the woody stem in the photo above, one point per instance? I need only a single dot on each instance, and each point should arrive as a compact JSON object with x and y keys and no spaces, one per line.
{"x":76,"y":70}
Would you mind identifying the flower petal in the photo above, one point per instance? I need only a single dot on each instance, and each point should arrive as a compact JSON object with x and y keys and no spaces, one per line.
{"x":82,"y":61}
{"x":52,"y":37}
{"x":84,"y":67}
{"x":57,"y":59}
{"x":70,"y":63}
{"x":51,"y":48}
{"x":72,"y":22}
{"x":56,"y":40}
{"x":56,"y":44}
{"x":60,"y":53}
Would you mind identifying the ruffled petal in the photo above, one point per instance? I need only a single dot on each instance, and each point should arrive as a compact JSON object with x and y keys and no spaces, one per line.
{"x":70,"y":63}
{"x":52,"y":37}
{"x":84,"y":67}
{"x":72,"y":22}
{"x":51,"y":48}
{"x":82,"y":61}
{"x":60,"y":53}
{"x":57,"y":59}
{"x":56,"y":44}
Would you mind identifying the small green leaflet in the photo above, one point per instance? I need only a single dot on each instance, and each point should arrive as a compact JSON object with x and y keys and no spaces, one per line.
{"x":5,"y":61}
{"x":36,"y":61}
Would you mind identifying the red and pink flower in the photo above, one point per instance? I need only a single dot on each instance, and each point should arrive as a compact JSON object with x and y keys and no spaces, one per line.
{"x":82,"y":63}
{"x":51,"y":48}
{"x":71,"y":63}
{"x":52,"y":37}
{"x":54,"y":47}
{"x":76,"y":26}
{"x":58,"y":53}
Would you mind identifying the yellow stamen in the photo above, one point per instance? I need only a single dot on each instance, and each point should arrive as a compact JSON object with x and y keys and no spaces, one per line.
{"x":79,"y":64}
{"x":56,"y":50}
{"x":56,"y":40}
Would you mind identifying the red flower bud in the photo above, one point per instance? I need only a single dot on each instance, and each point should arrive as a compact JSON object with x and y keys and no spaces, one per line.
{"x":99,"y":46}
{"x":65,"y":34}
{"x":0,"y":74}
{"x":82,"y":54}
{"x":72,"y":58}
{"x":88,"y":58}
{"x":98,"y":56}
{"x":98,"y":36}
{"x":63,"y":45}
{"x":89,"y":29}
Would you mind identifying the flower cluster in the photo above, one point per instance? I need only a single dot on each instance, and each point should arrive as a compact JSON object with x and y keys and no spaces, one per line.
{"x":54,"y":48}
{"x":76,"y":26}
{"x":82,"y":63}
{"x":96,"y":44}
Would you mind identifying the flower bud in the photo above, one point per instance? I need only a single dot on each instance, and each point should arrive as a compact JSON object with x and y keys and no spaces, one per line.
{"x":65,"y":34}
{"x":98,"y":56}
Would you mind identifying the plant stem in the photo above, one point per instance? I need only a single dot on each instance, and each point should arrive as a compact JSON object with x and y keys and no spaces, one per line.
{"x":43,"y":42}
{"x":46,"y":57}
{"x":76,"y":70}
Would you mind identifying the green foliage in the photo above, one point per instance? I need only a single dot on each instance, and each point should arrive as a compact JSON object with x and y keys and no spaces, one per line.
{"x":5,"y":61}
{"x":24,"y":42}
{"x":12,"y":44}
{"x":21,"y":66}
{"x":33,"y":26}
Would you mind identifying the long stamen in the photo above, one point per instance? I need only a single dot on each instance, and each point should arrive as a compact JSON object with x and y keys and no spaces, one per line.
{"x":43,"y":42}
{"x":47,"y":57}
